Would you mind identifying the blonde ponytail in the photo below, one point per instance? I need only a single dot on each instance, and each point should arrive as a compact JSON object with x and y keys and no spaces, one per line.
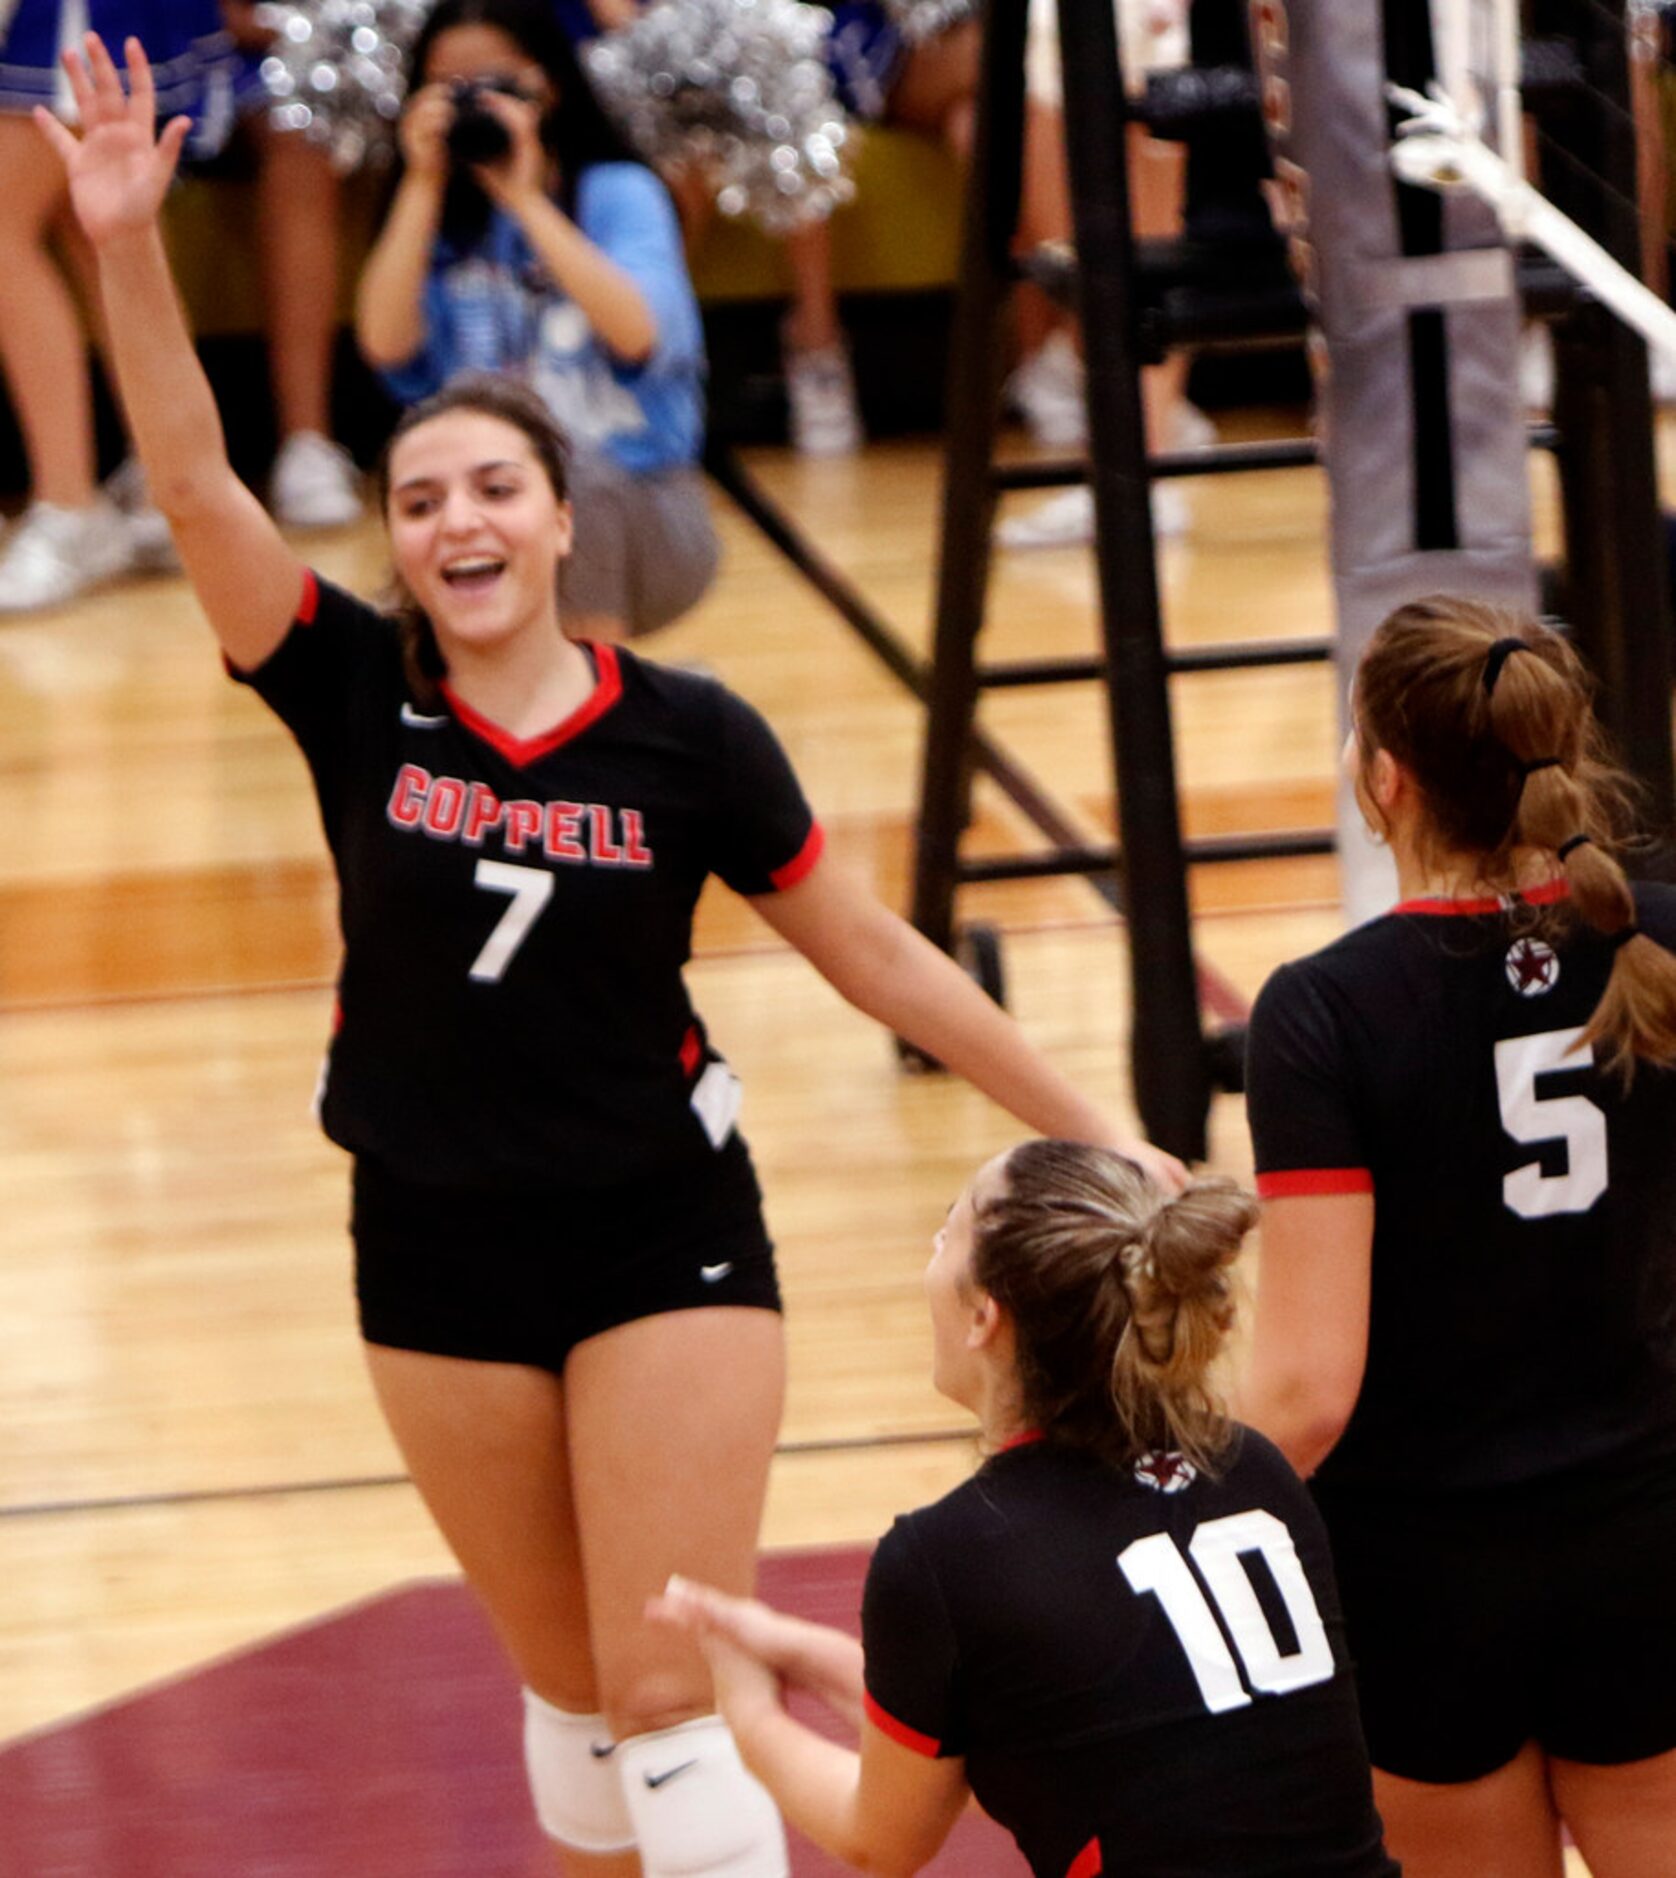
{"x":1121,"y":1298}
{"x":1491,"y":712}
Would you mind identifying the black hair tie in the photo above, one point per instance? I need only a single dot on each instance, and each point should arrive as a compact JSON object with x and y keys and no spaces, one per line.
{"x":1569,"y":847}
{"x":1621,"y":938}
{"x":1527,"y":770}
{"x":1499,"y":654}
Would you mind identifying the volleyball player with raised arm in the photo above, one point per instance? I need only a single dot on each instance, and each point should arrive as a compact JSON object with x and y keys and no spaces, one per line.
{"x":1121,"y":1634}
{"x":566,"y":1288}
{"x":1465,"y":1127}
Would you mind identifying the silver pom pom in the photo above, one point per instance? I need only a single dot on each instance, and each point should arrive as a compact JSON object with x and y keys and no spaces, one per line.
{"x":336,"y":72}
{"x":741,"y":88}
{"x":920,"y":20}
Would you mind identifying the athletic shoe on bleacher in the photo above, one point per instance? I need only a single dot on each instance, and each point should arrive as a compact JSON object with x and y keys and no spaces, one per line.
{"x":314,"y":483}
{"x":1047,"y":390}
{"x":148,"y":527}
{"x":1067,"y":520}
{"x":54,"y":554}
{"x":820,"y":402}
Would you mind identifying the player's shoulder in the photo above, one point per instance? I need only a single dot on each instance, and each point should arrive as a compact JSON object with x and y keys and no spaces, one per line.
{"x":693,"y":705}
{"x":1351,"y":973}
{"x":1251,"y":1458}
{"x":325,"y":603}
{"x":677,"y":695}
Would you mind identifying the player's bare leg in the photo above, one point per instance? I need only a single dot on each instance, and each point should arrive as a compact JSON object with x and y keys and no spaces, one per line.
{"x":1623,"y":1818}
{"x":1503,"y":1826}
{"x":672,"y":1427}
{"x":486,"y":1445}
{"x":43,"y":350}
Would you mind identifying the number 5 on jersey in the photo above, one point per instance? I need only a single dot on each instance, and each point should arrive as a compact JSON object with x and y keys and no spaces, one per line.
{"x":531,"y":888}
{"x":1534,"y":1119}
{"x":1155,"y":1564}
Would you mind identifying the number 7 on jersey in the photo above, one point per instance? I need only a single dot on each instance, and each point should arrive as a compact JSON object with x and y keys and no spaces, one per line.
{"x":531,"y":888}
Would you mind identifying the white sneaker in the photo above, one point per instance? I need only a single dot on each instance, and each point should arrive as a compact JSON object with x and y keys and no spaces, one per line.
{"x":53,"y":554}
{"x":314,"y":483}
{"x":1536,"y":368}
{"x":1190,"y":429}
{"x":1047,"y":390}
{"x":1067,"y":519}
{"x":148,"y":527}
{"x":820,"y":398}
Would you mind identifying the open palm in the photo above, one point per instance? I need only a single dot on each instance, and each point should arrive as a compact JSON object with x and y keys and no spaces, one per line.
{"x":119,"y":169}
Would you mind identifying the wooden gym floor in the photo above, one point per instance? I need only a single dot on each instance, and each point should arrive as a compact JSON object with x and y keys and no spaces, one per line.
{"x":190,"y":1459}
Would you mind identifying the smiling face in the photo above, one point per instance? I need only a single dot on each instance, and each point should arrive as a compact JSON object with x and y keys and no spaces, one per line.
{"x":477,"y":530}
{"x":480,"y":51}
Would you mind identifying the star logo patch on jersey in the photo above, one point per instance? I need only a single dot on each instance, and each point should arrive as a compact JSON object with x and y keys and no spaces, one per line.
{"x":1165,"y":1472}
{"x":1532,"y":967}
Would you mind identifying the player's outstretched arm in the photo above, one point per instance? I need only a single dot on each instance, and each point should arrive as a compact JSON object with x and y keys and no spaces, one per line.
{"x":119,"y":170}
{"x":886,"y":1809}
{"x":885,"y":968}
{"x":1309,"y":1344}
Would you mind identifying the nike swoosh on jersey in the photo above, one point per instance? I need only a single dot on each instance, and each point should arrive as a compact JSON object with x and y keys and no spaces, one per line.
{"x":713,"y":1274}
{"x":419,"y":720}
{"x":654,"y":1781}
{"x":602,"y":1752}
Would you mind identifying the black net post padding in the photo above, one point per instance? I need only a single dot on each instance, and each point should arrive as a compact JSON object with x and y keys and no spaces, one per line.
{"x":1415,"y":299}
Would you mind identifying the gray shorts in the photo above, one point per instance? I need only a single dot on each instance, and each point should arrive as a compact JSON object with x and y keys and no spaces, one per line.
{"x":645,"y":547}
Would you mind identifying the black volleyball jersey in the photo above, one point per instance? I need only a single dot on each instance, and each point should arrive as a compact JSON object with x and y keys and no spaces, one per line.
{"x":1523,"y":1314}
{"x":1143,"y":1669}
{"x":516,"y":915}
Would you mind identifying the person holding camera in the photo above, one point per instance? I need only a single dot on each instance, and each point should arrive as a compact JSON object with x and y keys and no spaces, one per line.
{"x":524,"y":236}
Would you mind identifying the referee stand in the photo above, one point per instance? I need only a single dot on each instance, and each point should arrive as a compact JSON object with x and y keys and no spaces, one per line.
{"x":1174,"y":1066}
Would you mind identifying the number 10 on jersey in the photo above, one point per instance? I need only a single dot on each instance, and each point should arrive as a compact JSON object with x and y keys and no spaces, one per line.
{"x":1156,"y":1564}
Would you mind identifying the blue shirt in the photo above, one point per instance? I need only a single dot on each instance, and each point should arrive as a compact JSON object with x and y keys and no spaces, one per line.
{"x":493,"y":308}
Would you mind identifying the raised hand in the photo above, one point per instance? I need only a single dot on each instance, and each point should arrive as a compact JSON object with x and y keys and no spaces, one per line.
{"x":119,"y":168}
{"x":423,"y":132}
{"x":522,"y":173}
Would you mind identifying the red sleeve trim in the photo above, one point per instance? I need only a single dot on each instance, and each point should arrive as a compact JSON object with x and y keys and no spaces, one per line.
{"x":1292,"y":1182}
{"x":900,"y":1732}
{"x":1087,"y":1862}
{"x":309,"y":605}
{"x":802,"y":863}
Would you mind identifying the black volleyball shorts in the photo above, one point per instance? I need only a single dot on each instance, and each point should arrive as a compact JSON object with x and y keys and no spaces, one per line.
{"x":1478,"y":1622}
{"x":517,"y":1277}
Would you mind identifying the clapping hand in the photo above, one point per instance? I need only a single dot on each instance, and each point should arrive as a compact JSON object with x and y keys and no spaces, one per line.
{"x":739,"y":1638}
{"x":119,"y":167}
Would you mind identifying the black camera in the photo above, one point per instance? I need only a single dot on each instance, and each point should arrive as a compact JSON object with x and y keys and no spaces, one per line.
{"x":476,"y":134}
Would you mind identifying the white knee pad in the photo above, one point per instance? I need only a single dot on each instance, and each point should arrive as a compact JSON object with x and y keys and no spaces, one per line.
{"x":697,"y":1813}
{"x":572,"y":1765}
